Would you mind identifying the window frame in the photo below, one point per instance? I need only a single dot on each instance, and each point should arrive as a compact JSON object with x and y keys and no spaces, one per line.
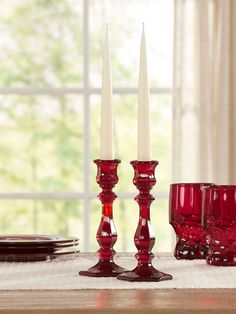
{"x":86,"y":91}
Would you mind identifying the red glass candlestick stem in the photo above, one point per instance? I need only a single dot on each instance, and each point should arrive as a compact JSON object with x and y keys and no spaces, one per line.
{"x":106,"y":235}
{"x":144,"y":239}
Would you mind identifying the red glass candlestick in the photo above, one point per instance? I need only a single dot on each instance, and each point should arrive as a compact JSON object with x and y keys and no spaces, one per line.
{"x":144,"y":239}
{"x":106,"y":234}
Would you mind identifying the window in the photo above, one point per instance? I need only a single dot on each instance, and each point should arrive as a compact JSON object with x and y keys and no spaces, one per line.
{"x":51,"y":59}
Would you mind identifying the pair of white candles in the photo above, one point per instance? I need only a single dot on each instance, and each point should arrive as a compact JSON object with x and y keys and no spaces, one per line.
{"x":107,"y":145}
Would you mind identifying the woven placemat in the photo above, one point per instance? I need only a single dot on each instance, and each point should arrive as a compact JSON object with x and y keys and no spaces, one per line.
{"x":63,"y":275}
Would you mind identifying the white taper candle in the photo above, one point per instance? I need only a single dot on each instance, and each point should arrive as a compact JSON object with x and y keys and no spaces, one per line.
{"x":107,"y":150}
{"x":143,"y":106}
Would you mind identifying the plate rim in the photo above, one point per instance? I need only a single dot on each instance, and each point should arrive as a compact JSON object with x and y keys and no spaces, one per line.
{"x":48,"y":239}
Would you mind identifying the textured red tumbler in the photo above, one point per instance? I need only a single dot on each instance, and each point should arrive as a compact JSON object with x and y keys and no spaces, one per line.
{"x":185,"y":212}
{"x":219,"y":220}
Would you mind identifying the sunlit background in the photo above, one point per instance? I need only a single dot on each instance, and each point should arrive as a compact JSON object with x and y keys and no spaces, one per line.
{"x":51,"y":60}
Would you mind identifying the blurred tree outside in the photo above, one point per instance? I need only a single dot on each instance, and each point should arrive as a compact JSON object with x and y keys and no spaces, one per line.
{"x":41,"y":136}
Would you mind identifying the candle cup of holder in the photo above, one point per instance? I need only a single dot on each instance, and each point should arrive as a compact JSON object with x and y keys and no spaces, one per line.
{"x":144,"y":238}
{"x":106,"y":234}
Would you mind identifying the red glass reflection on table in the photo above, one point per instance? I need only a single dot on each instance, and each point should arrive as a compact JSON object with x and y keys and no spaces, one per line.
{"x":219,"y":220}
{"x":144,"y":238}
{"x":185,"y":212}
{"x":106,"y":235}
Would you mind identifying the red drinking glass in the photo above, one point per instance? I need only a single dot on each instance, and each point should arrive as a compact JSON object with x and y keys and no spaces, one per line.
{"x":219,"y":221}
{"x":144,"y":238}
{"x":185,"y":212}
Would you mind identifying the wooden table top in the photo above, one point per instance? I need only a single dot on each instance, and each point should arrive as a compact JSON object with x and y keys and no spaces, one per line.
{"x":165,"y":301}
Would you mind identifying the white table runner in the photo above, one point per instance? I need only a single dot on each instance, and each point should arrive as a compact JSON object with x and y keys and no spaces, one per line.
{"x":63,"y":275}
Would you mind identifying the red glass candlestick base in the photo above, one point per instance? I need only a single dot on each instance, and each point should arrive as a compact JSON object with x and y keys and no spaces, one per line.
{"x":106,"y":234}
{"x":144,"y":238}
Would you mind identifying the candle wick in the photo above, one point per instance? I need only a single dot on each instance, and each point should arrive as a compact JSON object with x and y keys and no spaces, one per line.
{"x":143,"y":26}
{"x":106,"y":27}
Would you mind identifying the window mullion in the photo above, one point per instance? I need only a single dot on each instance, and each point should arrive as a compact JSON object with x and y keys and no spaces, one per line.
{"x":76,"y":90}
{"x":86,"y":125}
